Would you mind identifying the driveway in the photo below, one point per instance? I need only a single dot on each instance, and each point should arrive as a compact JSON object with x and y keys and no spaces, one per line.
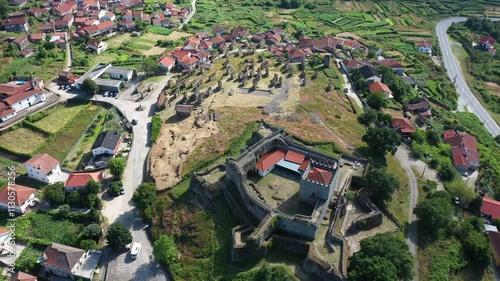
{"x":452,"y":65}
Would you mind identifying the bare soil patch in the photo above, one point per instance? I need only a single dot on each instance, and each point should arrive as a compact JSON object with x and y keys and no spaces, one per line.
{"x":493,"y":87}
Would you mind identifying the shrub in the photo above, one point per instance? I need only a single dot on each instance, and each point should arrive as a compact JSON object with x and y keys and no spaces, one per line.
{"x":156,"y":123}
{"x":88,"y":244}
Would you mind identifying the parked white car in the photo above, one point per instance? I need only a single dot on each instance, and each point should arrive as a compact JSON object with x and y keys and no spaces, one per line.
{"x":136,"y":250}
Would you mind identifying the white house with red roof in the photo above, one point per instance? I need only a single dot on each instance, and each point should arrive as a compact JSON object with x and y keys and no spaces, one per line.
{"x":18,"y":24}
{"x":16,"y":96}
{"x":394,"y":65}
{"x":44,"y":168}
{"x":166,"y":63}
{"x":486,"y":42}
{"x":70,"y":262}
{"x":424,"y":47}
{"x":296,"y":56}
{"x":97,"y":46}
{"x":62,"y":10}
{"x":379,"y":87}
{"x":103,"y":27}
{"x":464,"y":152}
{"x":24,"y":198}
{"x":78,"y":181}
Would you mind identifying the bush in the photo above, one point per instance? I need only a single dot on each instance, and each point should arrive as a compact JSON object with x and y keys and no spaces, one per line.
{"x":88,"y":244}
{"x":156,"y":123}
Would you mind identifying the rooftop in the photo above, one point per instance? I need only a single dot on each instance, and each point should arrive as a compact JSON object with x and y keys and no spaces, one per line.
{"x":107,"y":139}
{"x":491,"y":207}
{"x":21,"y":194}
{"x":44,"y":162}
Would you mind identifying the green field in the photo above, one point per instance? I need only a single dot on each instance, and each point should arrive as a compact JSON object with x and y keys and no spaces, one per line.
{"x":58,"y":117}
{"x":22,"y":141}
{"x":47,"y":227}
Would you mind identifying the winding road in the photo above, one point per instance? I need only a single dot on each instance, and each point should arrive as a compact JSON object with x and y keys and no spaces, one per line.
{"x":452,"y":66}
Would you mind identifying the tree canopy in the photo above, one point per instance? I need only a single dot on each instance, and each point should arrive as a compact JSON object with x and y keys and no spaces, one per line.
{"x":116,"y":166}
{"x":4,"y":8}
{"x":478,"y":249}
{"x":92,"y":231}
{"x":144,"y":196}
{"x":376,"y":100}
{"x":380,"y":184}
{"x":384,"y":256}
{"x":434,"y":213}
{"x":149,"y":66}
{"x":382,"y":140}
{"x":164,"y":250}
{"x":93,"y":187}
{"x":90,"y":87}
{"x":54,"y":193}
{"x":118,"y":236}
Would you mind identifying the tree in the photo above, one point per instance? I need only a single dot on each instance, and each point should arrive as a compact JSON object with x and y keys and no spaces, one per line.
{"x":433,"y":137}
{"x":362,"y":268}
{"x":434,"y":214}
{"x":382,"y":140}
{"x":164,"y":250}
{"x":115,"y":187}
{"x":371,"y":54}
{"x":118,"y":236}
{"x":149,"y":66}
{"x":94,"y":201}
{"x":477,"y":249}
{"x":54,"y":193}
{"x":144,"y":195}
{"x":368,"y":117}
{"x":447,"y":172}
{"x":380,"y":184}
{"x":276,"y":273}
{"x":88,"y":244}
{"x":74,"y":199}
{"x":4,"y":8}
{"x":92,"y":231}
{"x":376,"y":100}
{"x":90,"y":87}
{"x":460,"y":189}
{"x":116,"y":166}
{"x":418,"y":136}
{"x":93,"y":187}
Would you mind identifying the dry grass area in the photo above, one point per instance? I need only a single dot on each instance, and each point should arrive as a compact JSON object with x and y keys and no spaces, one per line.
{"x":493,"y":87}
{"x":117,"y":40}
{"x":10,"y":140}
{"x":175,"y":35}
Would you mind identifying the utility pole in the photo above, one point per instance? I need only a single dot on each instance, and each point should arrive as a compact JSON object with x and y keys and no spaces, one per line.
{"x":423,"y":172}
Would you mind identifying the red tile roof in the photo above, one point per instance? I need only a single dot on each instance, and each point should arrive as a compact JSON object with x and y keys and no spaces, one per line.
{"x":487,"y":39}
{"x":319,"y":175}
{"x":6,"y":112}
{"x":352,"y":43}
{"x":21,"y":96}
{"x":424,"y":44}
{"x":66,"y":7}
{"x":294,"y":157}
{"x":353,"y":63}
{"x":21,"y":194}
{"x":36,"y":36}
{"x":62,"y":256}
{"x":379,"y":87}
{"x":392,"y":63}
{"x":18,"y":20}
{"x":297,"y":53}
{"x":20,"y":39}
{"x":81,"y":179}
{"x":12,"y":88}
{"x":491,"y":207}
{"x":44,"y":162}
{"x":166,"y":60}
{"x":270,"y":159}
{"x":403,"y":124}
{"x":21,"y":276}
{"x":457,"y":138}
{"x":304,"y":165}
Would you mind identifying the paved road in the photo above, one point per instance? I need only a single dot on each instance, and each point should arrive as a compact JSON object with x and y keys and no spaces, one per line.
{"x":402,"y":155}
{"x":452,"y":65}
{"x":121,"y":208}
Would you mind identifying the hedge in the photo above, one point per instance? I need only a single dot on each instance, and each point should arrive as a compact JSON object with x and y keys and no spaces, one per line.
{"x":156,"y":123}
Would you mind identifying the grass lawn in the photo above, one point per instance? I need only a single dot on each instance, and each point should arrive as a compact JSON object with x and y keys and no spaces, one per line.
{"x":400,"y":203}
{"x":58,"y":117}
{"x":154,"y":79}
{"x":160,"y":30}
{"x":22,"y":140}
{"x":60,"y":145}
{"x":116,"y":41}
{"x":47,"y":227}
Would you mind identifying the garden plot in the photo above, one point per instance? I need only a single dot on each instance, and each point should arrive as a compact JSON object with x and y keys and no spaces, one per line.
{"x":58,"y":118}
{"x":22,"y":141}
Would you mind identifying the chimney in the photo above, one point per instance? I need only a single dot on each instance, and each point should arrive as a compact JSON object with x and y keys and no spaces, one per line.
{"x":39,"y":166}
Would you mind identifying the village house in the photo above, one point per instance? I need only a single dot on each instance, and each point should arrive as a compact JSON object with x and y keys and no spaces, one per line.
{"x":188,"y":62}
{"x":490,"y":208}
{"x":166,"y":63}
{"x":64,"y":23}
{"x":424,"y":47}
{"x":191,"y":44}
{"x":296,"y":56}
{"x":18,"y":24}
{"x":78,"y":181}
{"x":47,"y":27}
{"x":21,"y":276}
{"x":394,"y":65}
{"x":62,"y":10}
{"x":98,"y":14}
{"x":402,"y":126}
{"x":486,"y":43}
{"x":127,"y":24}
{"x":59,"y":39}
{"x":21,"y":42}
{"x":349,"y":65}
{"x":24,"y":198}
{"x":418,"y":106}
{"x":218,"y":42}
{"x":352,"y":44}
{"x":15,"y":97}
{"x":107,"y":142}
{"x":127,"y":15}
{"x":379,"y":87}
{"x":97,"y":46}
{"x":37,"y":37}
{"x":369,"y":73}
{"x":464,"y":152}
{"x":43,"y":168}
{"x":238,"y":32}
{"x":109,"y":16}
{"x":70,"y":262}
{"x":37,"y":12}
{"x":104,"y":27}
